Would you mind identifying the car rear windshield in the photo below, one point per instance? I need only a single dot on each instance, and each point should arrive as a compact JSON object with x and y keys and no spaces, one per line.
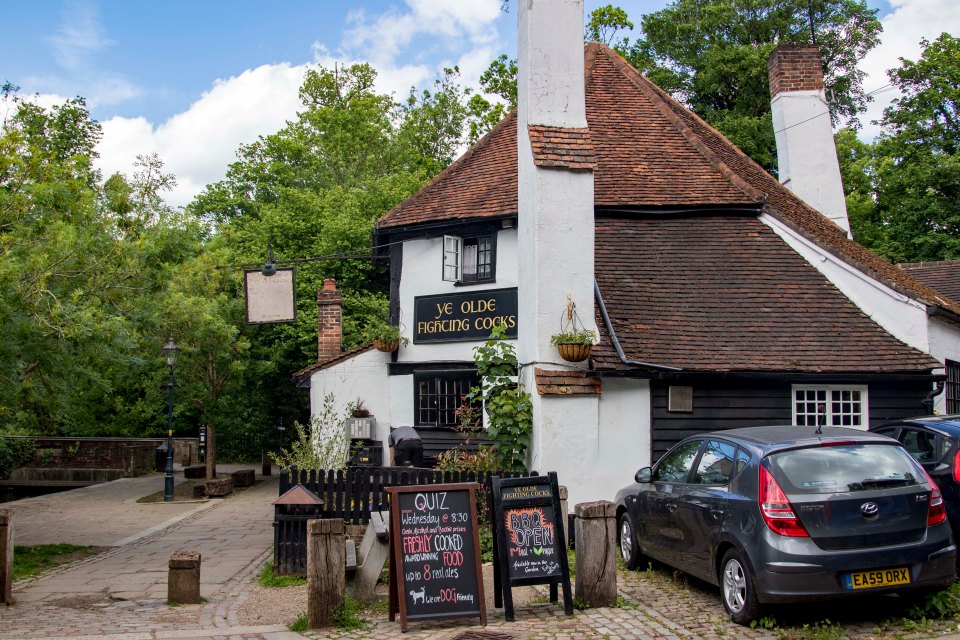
{"x":835,"y":469}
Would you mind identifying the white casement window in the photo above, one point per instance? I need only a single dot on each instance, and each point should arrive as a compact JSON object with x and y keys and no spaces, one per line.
{"x":452,"y":266}
{"x":839,"y":405}
{"x":468,"y":259}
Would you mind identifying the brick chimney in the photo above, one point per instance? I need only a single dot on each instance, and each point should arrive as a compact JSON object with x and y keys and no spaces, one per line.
{"x":806,"y":153}
{"x":329,"y":321}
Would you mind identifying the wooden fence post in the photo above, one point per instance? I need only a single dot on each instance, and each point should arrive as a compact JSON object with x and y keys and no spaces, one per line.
{"x":596,"y":535}
{"x":6,"y":556}
{"x":326,"y":566}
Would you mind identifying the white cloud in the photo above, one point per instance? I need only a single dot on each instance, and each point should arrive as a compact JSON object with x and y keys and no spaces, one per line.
{"x":903,"y":28}
{"x":198,"y":144}
{"x":408,"y":48}
{"x":78,"y":36}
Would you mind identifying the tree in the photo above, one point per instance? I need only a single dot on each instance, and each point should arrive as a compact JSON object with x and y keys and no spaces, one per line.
{"x":713,"y":57}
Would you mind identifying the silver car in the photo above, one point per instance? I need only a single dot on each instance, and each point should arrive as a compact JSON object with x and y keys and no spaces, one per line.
{"x":789,"y":513}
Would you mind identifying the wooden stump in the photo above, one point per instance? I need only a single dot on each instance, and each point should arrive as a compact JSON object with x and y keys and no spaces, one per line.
{"x":326,"y":564}
{"x":596,"y":535}
{"x":6,"y":556}
{"x":183,"y":578}
{"x":199,"y":491}
{"x":195,"y":472}
{"x":244,"y":477}
{"x":219,"y":487}
{"x":266,"y":464}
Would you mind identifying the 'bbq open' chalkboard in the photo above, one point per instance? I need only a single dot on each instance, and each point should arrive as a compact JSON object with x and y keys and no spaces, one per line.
{"x":528,"y":538}
{"x":435,"y":553}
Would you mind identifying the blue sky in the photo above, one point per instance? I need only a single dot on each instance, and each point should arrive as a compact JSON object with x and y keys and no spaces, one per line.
{"x":193,"y":80}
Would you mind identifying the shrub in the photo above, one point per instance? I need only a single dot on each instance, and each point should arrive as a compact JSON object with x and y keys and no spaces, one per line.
{"x":324,"y":445}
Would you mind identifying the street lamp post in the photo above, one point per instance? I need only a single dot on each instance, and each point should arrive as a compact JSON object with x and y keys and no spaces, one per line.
{"x":170,"y":351}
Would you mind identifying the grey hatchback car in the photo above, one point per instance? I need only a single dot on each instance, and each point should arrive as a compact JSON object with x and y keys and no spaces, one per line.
{"x":789,"y":513}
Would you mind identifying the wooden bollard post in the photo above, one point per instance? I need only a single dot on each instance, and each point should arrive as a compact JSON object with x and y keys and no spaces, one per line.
{"x":266,"y":464}
{"x":596,"y":535}
{"x":326,"y":566}
{"x":183,"y":578}
{"x":6,"y":556}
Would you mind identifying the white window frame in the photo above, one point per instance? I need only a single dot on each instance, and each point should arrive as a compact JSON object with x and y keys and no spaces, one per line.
{"x":452,"y":263}
{"x":832,"y":419}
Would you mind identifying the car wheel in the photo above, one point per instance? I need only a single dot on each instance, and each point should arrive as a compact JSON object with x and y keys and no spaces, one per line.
{"x":629,"y":549}
{"x":736,"y":588}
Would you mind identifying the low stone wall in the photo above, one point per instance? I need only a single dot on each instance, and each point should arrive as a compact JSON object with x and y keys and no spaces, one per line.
{"x":96,"y":459}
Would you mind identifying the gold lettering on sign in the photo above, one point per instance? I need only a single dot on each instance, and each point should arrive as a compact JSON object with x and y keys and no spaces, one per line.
{"x":444,"y":309}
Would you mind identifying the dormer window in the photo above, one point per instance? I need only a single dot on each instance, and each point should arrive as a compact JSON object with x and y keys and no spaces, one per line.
{"x":468,"y":259}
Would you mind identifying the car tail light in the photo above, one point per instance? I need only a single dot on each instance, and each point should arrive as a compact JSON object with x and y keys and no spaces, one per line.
{"x":956,"y":466}
{"x":936,"y":513}
{"x":777,"y":510}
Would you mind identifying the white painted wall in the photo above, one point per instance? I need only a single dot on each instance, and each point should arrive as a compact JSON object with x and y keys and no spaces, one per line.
{"x":422,"y":276}
{"x":362,"y":376}
{"x":944,"y":345}
{"x":401,"y":395}
{"x":806,"y":153}
{"x":903,"y":317}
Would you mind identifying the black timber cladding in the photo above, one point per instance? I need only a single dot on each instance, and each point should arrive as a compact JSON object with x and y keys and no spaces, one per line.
{"x":730,"y":403}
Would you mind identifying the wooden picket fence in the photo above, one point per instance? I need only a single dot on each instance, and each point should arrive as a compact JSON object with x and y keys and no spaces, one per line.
{"x":355,"y":493}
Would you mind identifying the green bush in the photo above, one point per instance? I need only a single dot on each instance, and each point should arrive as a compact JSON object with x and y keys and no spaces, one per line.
{"x":14,"y":454}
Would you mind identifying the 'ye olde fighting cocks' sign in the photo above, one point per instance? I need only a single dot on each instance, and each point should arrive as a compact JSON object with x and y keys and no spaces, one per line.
{"x":452,"y":317}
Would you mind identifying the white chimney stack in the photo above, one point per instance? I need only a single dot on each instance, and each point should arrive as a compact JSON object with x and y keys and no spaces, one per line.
{"x":555,"y":227}
{"x":806,"y":153}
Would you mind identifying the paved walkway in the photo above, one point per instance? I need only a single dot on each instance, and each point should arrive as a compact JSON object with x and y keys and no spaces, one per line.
{"x":121,"y":594}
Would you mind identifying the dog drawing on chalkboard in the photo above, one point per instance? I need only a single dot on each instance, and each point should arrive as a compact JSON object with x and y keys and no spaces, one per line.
{"x":419,"y":595}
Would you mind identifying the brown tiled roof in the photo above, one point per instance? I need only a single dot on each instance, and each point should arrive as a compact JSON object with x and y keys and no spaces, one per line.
{"x":943,"y":276}
{"x":651,"y":152}
{"x":562,"y":147}
{"x":323,"y":364}
{"x":566,"y":383}
{"x":725,"y":293}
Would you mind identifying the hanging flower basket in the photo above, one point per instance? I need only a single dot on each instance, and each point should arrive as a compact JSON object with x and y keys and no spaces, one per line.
{"x":574,"y":352}
{"x":387,"y":346}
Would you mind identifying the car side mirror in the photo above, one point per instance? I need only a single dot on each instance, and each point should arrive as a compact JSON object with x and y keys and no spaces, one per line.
{"x":642,"y":476}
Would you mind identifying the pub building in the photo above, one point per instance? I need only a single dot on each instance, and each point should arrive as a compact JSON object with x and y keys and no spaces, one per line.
{"x":722,"y":298}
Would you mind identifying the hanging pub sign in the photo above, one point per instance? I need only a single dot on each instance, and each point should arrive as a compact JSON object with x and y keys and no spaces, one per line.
{"x":435,"y":553}
{"x":270,"y":298}
{"x":528,"y":541}
{"x":453,"y":317}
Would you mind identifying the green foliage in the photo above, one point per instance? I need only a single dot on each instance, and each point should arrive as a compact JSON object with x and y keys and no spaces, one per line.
{"x":386,"y":333}
{"x":14,"y":454}
{"x":270,"y":580}
{"x":604,"y":22}
{"x":938,"y":604}
{"x":574,"y":336}
{"x":301,"y":624}
{"x":508,"y":406}
{"x":766,"y":622}
{"x":903,"y":192}
{"x":347,"y":615}
{"x":34,"y":560}
{"x":323,"y":446}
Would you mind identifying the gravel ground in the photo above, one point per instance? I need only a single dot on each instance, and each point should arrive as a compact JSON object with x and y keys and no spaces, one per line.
{"x":282,"y":606}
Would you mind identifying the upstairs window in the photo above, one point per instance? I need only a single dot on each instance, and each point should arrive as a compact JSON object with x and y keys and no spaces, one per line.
{"x":468,"y":259}
{"x":841,"y":406}
{"x":953,"y":387}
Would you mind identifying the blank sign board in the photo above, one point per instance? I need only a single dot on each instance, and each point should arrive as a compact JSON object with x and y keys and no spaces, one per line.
{"x":270,"y":299}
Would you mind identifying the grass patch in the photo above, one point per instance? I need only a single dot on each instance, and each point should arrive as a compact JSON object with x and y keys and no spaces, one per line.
{"x":271,"y":581}
{"x":347,"y":615}
{"x":300,"y":624}
{"x":32,"y":561}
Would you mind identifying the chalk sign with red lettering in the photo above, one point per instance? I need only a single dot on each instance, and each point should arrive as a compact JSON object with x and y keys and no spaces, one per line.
{"x":435,"y":553}
{"x":529,"y":541}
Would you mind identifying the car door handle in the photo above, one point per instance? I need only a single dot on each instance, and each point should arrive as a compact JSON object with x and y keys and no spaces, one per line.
{"x":717,"y":514}
{"x":671,"y":506}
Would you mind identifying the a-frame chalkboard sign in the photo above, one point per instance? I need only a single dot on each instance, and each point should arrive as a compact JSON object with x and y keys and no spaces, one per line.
{"x":435,"y":567}
{"x":529,"y":545}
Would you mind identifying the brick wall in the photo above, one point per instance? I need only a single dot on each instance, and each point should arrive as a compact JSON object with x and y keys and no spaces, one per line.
{"x":329,"y":321}
{"x":795,"y":67}
{"x":130,"y":456}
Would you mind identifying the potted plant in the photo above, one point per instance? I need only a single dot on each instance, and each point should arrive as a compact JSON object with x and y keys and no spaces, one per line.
{"x":574,"y":342}
{"x":360,"y":424}
{"x":574,"y":345}
{"x":386,"y":337}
